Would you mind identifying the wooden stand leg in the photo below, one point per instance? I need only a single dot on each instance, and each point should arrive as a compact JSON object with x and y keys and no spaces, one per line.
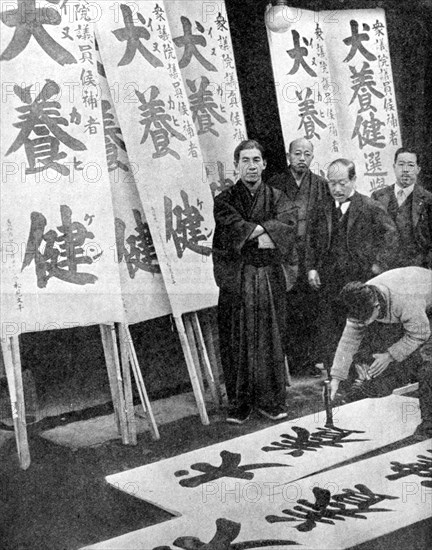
{"x":209,"y":343}
{"x":109,"y":341}
{"x":111,"y":375}
{"x":205,"y":362}
{"x":12,"y":363}
{"x":193,"y":347}
{"x":287,"y":373}
{"x":145,"y":401}
{"x":127,"y":384}
{"x":192,"y":370}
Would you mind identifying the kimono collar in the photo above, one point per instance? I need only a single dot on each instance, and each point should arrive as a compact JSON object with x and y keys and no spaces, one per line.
{"x":255,"y":191}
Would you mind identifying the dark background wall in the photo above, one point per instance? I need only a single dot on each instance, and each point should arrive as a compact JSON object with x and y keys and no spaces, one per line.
{"x":409,"y":25}
{"x":69,"y":356}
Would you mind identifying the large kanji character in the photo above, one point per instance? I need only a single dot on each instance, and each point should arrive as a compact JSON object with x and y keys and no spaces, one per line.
{"x":133,"y":35}
{"x":42,"y":117}
{"x":29,"y":21}
{"x":153,"y":114}
{"x":356,"y":42}
{"x":190,"y":42}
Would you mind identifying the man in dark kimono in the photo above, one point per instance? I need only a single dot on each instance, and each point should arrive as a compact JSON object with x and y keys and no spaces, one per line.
{"x":254,"y":266}
{"x":305,"y":190}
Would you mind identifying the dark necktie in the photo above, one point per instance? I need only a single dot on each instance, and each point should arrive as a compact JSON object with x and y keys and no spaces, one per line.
{"x":339,"y":213}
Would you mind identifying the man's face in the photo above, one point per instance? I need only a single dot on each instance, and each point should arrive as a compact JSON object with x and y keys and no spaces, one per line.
{"x":406,"y":169}
{"x":300,"y":156}
{"x":340,"y":185}
{"x":250,"y":166}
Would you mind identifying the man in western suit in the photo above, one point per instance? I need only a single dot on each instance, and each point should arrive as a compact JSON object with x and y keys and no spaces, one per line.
{"x":351,"y":239}
{"x":410,"y":207}
{"x":305,"y":190}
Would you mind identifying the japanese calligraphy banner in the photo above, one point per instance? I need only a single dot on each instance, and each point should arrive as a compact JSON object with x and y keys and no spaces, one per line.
{"x":334,"y":86}
{"x":141,"y":65}
{"x":333,"y":508}
{"x":277,"y":456}
{"x":143,"y":290}
{"x":206,"y":61}
{"x":57,"y":223}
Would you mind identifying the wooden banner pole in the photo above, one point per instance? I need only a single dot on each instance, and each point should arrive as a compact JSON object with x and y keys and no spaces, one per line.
{"x":145,"y":401}
{"x":193,"y":347}
{"x":109,"y":341}
{"x":13,"y":368}
{"x":127,"y":383}
{"x":193,"y":375}
{"x":205,"y":361}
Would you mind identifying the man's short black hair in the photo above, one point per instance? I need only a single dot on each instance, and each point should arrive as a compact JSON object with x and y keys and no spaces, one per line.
{"x":248,"y":144}
{"x":407,"y":150}
{"x":360,"y":300}
{"x":348,"y":164}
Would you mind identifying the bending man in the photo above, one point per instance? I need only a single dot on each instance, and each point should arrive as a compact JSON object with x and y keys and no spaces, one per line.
{"x":401,"y":296}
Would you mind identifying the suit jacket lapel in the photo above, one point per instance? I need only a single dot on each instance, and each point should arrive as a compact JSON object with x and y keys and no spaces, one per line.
{"x":417,"y":204}
{"x":353,"y":211}
{"x":329,"y":214}
{"x":386,"y":197}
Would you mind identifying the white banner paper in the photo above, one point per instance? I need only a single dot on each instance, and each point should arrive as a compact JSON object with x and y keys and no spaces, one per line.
{"x":334,"y":86}
{"x":141,"y":65}
{"x":206,"y":61}
{"x":57,"y":220}
{"x":143,"y":290}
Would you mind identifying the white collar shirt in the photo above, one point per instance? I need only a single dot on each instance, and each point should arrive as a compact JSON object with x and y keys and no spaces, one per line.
{"x":344,"y":205}
{"x":402,"y":193}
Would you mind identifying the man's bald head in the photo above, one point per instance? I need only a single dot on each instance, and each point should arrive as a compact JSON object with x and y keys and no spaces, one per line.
{"x":300,"y":155}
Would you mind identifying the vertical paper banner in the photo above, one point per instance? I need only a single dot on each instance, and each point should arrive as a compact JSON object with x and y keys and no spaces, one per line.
{"x":140,"y":61}
{"x":334,"y":86}
{"x":360,"y":66}
{"x":304,"y":87}
{"x":57,"y":220}
{"x":143,"y":290}
{"x":202,"y":39}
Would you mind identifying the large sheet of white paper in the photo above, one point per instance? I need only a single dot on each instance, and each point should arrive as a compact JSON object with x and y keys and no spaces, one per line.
{"x":138,"y":53}
{"x":338,"y":509}
{"x":143,"y":290}
{"x":57,"y":220}
{"x":270,"y":458}
{"x":334,"y":86}
{"x":206,"y":60}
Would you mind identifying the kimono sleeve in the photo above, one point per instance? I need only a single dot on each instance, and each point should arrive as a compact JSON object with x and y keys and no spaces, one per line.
{"x":283,"y":227}
{"x":232,"y":230}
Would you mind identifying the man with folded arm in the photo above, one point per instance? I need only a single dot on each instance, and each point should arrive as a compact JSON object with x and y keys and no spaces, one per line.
{"x":254,"y":266}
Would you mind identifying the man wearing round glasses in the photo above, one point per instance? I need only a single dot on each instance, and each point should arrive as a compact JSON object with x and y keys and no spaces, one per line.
{"x":410,"y":207}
